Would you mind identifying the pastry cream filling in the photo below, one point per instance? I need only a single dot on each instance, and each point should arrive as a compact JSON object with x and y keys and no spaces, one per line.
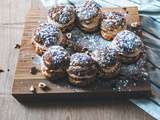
{"x":81,"y":77}
{"x":75,"y":81}
{"x":118,"y":29}
{"x":94,"y":23}
{"x":134,"y":54}
{"x":111,"y":69}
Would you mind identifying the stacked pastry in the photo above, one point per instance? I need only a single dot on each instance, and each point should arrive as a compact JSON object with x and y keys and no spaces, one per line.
{"x":112,"y":23}
{"x":88,"y":14}
{"x":108,"y":62}
{"x":46,"y":35}
{"x":62,"y":16}
{"x":55,"y":62}
{"x":102,"y":60}
{"x":82,"y":69}
{"x":128,"y":45}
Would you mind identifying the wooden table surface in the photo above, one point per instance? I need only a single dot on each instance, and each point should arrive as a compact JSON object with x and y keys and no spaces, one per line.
{"x":12,"y":18}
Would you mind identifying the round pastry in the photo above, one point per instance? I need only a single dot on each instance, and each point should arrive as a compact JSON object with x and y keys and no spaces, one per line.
{"x":129,"y":46}
{"x":46,"y":35}
{"x":55,"y":62}
{"x":63,"y":16}
{"x":53,"y":74}
{"x":82,"y":69}
{"x":108,"y":62}
{"x":111,"y":24}
{"x":88,"y":15}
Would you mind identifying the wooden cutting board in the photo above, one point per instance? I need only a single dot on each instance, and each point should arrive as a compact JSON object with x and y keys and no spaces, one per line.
{"x":24,"y":79}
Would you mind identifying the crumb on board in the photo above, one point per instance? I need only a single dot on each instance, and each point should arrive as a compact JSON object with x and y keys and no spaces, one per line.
{"x":34,"y":70}
{"x":17,"y":46}
{"x":1,"y":69}
{"x":42,"y":85}
{"x":32,"y":88}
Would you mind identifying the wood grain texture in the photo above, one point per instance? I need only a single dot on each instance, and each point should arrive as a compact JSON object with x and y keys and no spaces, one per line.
{"x":24,"y":79}
{"x":14,"y":11}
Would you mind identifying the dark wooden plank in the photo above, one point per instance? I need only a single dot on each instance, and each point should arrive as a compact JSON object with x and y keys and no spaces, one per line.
{"x":24,"y":79}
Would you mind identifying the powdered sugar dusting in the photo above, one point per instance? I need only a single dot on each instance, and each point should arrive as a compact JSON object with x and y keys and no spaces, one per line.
{"x":55,"y":56}
{"x":87,"y":10}
{"x":126,"y":42}
{"x":135,"y":70}
{"x":80,"y":59}
{"x":89,"y":41}
{"x":112,"y":20}
{"x":62,"y":14}
{"x":47,"y":34}
{"x":105,"y":57}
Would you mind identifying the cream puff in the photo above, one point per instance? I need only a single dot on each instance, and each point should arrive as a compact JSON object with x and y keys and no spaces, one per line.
{"x":55,"y":62}
{"x":82,"y":70}
{"x":108,"y":62}
{"x":46,"y":35}
{"x":88,"y":15}
{"x":62,"y":16}
{"x":128,"y":45}
{"x":111,"y":24}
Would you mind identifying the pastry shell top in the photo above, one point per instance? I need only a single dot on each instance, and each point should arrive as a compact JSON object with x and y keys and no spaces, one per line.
{"x":87,"y":10}
{"x":106,"y":57}
{"x":81,"y":59}
{"x":47,"y":34}
{"x":56,"y":57}
{"x":127,"y":42}
{"x":112,"y":20}
{"x":62,"y":14}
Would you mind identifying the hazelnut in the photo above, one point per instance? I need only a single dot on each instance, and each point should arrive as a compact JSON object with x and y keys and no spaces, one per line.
{"x":42,"y":85}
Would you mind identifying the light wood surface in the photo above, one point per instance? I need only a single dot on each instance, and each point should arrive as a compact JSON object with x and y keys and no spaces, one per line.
{"x":12,"y":12}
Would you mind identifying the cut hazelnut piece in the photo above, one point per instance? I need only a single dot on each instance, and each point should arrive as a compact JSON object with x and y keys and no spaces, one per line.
{"x":32,"y":89}
{"x":42,"y":85}
{"x":69,"y":35}
{"x":1,"y":70}
{"x":34,"y":70}
{"x":18,"y":46}
{"x":134,"y":25}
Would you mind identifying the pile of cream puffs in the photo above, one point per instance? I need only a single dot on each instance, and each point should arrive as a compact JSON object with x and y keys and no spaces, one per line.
{"x":53,"y":38}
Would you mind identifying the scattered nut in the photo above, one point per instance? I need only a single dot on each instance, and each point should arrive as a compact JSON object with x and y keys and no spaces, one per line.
{"x":134,"y":25}
{"x":88,"y":53}
{"x":125,"y":8}
{"x":17,"y":46}
{"x":1,"y":70}
{"x":34,"y":70}
{"x":87,"y":21}
{"x":84,"y":50}
{"x":32,"y":89}
{"x":134,"y":84}
{"x":69,"y":35}
{"x":42,"y":85}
